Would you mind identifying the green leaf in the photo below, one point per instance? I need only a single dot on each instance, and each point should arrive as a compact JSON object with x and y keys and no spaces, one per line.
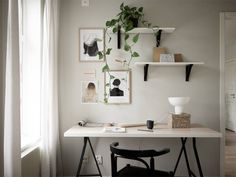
{"x":107,"y":85}
{"x":108,"y":23}
{"x":113,"y":22}
{"x":126,"y":36}
{"x":105,"y":100}
{"x":135,"y":38}
{"x":135,"y":54}
{"x":126,"y":47}
{"x":100,"y":55}
{"x":112,"y":77}
{"x":115,"y":29}
{"x":105,"y":68}
{"x":140,"y":9}
{"x":108,"y":51}
{"x":122,"y":6}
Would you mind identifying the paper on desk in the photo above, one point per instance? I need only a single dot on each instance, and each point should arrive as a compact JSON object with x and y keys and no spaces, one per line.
{"x":114,"y":130}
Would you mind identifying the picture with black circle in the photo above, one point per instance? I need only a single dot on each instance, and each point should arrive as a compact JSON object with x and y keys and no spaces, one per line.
{"x":117,"y":87}
{"x":116,"y":91}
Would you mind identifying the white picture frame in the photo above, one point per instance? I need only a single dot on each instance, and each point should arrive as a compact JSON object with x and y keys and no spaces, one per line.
{"x":89,"y":92}
{"x":118,"y":87}
{"x":91,"y":41}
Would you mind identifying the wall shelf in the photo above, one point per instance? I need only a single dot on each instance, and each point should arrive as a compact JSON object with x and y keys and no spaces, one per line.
{"x":188,"y":67}
{"x":147,"y":30}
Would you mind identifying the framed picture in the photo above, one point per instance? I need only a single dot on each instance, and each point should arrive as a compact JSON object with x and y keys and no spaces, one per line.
{"x":91,"y":41}
{"x":117,"y":87}
{"x":89,"y":92}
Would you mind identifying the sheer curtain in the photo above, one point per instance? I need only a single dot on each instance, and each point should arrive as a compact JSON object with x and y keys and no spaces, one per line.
{"x":50,"y":151}
{"x":12,"y":150}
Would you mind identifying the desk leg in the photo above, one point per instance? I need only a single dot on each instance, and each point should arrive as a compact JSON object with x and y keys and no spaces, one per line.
{"x":197,"y":157}
{"x":183,"y":150}
{"x":86,"y":139}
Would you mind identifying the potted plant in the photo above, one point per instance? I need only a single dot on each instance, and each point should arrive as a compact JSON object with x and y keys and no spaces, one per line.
{"x":126,"y":20}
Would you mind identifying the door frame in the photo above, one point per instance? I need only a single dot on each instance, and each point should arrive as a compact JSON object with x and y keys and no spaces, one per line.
{"x":222,"y":93}
{"x":223,"y":17}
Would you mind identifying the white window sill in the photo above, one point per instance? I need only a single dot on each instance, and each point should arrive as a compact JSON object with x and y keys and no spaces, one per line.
{"x":27,"y":150}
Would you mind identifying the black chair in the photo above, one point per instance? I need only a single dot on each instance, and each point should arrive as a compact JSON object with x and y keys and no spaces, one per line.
{"x":134,"y":171}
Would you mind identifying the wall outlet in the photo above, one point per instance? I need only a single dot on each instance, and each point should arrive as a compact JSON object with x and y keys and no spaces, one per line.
{"x":84,"y":3}
{"x":99,"y":159}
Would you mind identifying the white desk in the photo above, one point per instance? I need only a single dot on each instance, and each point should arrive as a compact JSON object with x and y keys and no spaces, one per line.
{"x":160,"y":131}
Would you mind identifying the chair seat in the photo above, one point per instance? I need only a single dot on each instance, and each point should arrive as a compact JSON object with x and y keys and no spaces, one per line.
{"x":134,"y":171}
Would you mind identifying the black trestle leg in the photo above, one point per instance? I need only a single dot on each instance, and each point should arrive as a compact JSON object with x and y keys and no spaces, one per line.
{"x":82,"y":156}
{"x":86,"y":139}
{"x":197,"y":157}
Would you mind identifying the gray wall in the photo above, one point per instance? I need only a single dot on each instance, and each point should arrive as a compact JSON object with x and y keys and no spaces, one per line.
{"x":3,"y":25}
{"x":196,"y":37}
{"x":30,"y":164}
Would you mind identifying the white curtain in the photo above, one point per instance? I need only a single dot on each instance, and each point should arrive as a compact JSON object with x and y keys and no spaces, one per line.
{"x":12,"y":150}
{"x":50,"y":151}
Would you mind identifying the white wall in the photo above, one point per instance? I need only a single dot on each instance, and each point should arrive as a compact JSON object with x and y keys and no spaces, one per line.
{"x":196,"y":37}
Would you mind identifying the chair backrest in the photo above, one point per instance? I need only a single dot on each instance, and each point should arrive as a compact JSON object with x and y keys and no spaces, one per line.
{"x":134,"y":155}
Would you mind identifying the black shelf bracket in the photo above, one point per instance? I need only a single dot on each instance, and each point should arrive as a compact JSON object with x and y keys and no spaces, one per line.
{"x":146,"y":71}
{"x":188,"y":72}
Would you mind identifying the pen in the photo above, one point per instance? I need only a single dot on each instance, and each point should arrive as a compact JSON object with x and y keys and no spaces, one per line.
{"x":146,"y":130}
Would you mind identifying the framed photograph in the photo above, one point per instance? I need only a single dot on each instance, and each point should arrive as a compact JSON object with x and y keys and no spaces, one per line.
{"x":89,"y":92}
{"x":117,"y":87}
{"x":91,"y":41}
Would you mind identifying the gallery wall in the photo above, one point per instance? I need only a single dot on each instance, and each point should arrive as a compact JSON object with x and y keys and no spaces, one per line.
{"x":196,"y":37}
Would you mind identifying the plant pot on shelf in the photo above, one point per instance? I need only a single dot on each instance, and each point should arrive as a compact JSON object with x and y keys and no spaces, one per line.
{"x":134,"y":21}
{"x":157,"y":51}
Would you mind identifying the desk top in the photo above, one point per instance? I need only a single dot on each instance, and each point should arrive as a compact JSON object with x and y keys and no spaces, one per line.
{"x":159,"y":131}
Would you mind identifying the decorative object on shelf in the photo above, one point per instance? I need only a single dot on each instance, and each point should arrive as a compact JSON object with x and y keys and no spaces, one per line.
{"x":157,"y":51}
{"x":117,"y":87}
{"x":178,"y":103}
{"x":89,"y":92}
{"x":178,"y":57}
{"x":167,"y":58}
{"x":91,"y":42}
{"x":126,"y":20}
{"x":179,"y":120}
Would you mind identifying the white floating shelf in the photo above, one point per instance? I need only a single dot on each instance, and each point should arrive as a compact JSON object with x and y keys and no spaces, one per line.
{"x":188,"y":66}
{"x":147,"y":30}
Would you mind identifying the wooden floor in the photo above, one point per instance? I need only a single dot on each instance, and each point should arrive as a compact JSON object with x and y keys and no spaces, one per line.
{"x":230,"y":154}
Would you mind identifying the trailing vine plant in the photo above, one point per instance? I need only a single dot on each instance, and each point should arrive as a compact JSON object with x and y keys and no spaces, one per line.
{"x":126,"y":20}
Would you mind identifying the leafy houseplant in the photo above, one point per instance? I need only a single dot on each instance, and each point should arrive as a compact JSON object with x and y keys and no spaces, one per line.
{"x":126,"y":20}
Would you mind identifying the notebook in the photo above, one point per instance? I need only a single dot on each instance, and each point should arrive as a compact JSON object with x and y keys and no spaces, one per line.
{"x":114,"y":130}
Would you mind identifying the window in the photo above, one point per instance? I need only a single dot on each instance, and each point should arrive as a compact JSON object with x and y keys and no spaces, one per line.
{"x":30,"y":71}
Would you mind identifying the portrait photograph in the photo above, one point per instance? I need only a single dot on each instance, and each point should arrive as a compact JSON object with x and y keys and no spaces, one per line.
{"x":117,"y":86}
{"x":91,"y":41}
{"x":89,"y":91}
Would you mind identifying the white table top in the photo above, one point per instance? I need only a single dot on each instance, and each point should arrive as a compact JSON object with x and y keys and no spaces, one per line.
{"x":160,"y":131}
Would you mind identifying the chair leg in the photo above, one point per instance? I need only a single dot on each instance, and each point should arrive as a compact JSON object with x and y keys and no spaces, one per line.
{"x":113,"y":165}
{"x":152,"y":164}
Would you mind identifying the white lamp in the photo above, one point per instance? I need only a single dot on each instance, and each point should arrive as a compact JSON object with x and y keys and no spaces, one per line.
{"x":178,"y":103}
